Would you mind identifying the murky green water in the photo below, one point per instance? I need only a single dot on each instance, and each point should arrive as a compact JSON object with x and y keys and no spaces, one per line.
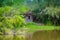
{"x":46,"y":35}
{"x":38,"y":35}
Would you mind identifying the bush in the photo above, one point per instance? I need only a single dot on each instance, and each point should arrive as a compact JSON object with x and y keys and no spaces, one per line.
{"x":10,"y":19}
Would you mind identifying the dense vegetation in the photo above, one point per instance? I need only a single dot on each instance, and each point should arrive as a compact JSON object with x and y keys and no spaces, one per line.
{"x":45,"y":12}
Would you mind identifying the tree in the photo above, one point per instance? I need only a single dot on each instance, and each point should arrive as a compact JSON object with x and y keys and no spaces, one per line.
{"x":10,"y":19}
{"x":54,"y":12}
{"x":1,"y":3}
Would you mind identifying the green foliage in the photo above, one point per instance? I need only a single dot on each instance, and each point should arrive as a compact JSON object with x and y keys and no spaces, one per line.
{"x":10,"y":18}
{"x":53,"y":2}
{"x":8,"y":2}
{"x":23,"y":9}
{"x":49,"y":15}
{"x":4,"y":11}
{"x":18,"y":37}
{"x":1,"y":3}
{"x":12,"y":2}
{"x":17,"y":3}
{"x":10,"y":37}
{"x":53,"y":11}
